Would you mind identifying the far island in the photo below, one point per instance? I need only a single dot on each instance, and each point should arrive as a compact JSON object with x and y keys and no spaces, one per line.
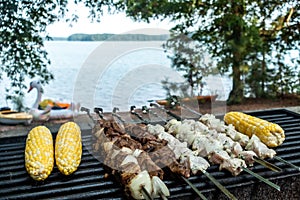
{"x":116,"y":37}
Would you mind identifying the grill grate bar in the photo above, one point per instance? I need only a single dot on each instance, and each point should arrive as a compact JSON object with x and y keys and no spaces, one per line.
{"x":57,"y":186}
{"x":61,"y":192}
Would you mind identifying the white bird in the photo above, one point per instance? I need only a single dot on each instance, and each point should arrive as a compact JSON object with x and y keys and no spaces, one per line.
{"x":53,"y":109}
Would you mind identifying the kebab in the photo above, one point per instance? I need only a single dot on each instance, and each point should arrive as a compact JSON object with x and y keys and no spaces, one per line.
{"x":262,"y":132}
{"x":160,"y":152}
{"x":129,"y":162}
{"x":123,"y":157}
{"x":180,"y":149}
{"x":254,"y":143}
{"x":234,"y":165}
{"x":209,"y":134}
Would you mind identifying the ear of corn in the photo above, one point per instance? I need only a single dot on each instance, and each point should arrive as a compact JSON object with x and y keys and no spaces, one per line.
{"x":68,"y":148}
{"x":39,"y":152}
{"x":269,"y":133}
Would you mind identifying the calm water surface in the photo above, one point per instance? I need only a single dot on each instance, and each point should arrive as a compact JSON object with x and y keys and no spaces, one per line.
{"x":110,"y":74}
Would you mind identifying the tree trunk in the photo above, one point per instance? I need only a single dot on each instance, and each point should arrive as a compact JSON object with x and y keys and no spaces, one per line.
{"x":262,"y":94}
{"x":236,"y":95}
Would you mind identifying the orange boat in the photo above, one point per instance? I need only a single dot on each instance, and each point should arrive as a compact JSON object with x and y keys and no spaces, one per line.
{"x":53,"y":104}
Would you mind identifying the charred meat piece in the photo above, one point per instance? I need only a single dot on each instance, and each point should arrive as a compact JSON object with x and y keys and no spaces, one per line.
{"x":146,"y":163}
{"x":159,"y":150}
{"x":140,"y":133}
{"x":163,"y":156}
{"x":125,"y":141}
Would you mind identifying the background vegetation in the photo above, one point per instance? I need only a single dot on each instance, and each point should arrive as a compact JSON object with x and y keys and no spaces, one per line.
{"x":251,"y":40}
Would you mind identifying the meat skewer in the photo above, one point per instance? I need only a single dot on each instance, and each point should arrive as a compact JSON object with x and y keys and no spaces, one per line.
{"x":210,"y":147}
{"x":234,"y":165}
{"x":159,"y":150}
{"x":182,"y":151}
{"x":153,"y":166}
{"x":116,"y":138}
{"x":252,"y":143}
{"x":126,"y":165}
{"x":255,"y":145}
{"x":229,"y":144}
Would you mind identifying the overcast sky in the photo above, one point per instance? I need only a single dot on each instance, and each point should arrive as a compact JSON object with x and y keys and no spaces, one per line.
{"x":117,"y":23}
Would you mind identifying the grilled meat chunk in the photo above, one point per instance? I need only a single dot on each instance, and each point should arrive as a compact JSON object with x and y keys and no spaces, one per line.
{"x":260,"y":148}
{"x":233,"y":165}
{"x":159,"y":150}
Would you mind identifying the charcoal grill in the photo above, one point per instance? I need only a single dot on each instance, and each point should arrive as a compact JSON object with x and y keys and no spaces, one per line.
{"x":89,"y":180}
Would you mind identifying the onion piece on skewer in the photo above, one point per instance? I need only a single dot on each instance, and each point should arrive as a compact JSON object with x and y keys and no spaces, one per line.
{"x":135,"y":185}
{"x":159,"y":187}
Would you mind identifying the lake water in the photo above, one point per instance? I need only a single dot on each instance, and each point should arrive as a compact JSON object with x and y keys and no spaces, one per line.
{"x":110,"y":74}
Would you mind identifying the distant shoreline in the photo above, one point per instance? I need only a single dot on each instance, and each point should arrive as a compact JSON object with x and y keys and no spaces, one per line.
{"x":112,"y":37}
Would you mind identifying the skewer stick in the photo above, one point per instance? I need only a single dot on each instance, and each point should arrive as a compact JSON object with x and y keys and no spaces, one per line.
{"x":194,"y":188}
{"x":191,"y":110}
{"x":154,"y":113}
{"x":99,"y":111}
{"x":246,"y":169}
{"x":132,"y":110}
{"x":267,"y":164}
{"x":219,"y":185}
{"x":114,"y":113}
{"x":163,"y":197}
{"x":175,"y":101}
{"x":83,"y":109}
{"x":286,"y":162}
{"x":277,"y":187}
{"x":165,"y":110}
{"x":145,"y":193}
{"x":210,"y":177}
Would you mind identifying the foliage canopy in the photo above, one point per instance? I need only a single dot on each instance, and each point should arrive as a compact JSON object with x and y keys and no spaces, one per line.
{"x":251,"y":40}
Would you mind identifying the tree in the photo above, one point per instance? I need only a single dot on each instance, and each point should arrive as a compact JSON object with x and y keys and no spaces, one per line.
{"x":239,"y":34}
{"x":190,"y":58}
{"x":21,"y":51}
{"x":278,"y":25}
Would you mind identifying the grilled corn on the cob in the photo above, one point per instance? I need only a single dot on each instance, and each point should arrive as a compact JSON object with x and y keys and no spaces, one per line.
{"x":39,"y":152}
{"x":269,"y":133}
{"x":68,"y":148}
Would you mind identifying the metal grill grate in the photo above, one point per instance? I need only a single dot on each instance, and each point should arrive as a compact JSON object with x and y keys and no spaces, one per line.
{"x":89,"y":182}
